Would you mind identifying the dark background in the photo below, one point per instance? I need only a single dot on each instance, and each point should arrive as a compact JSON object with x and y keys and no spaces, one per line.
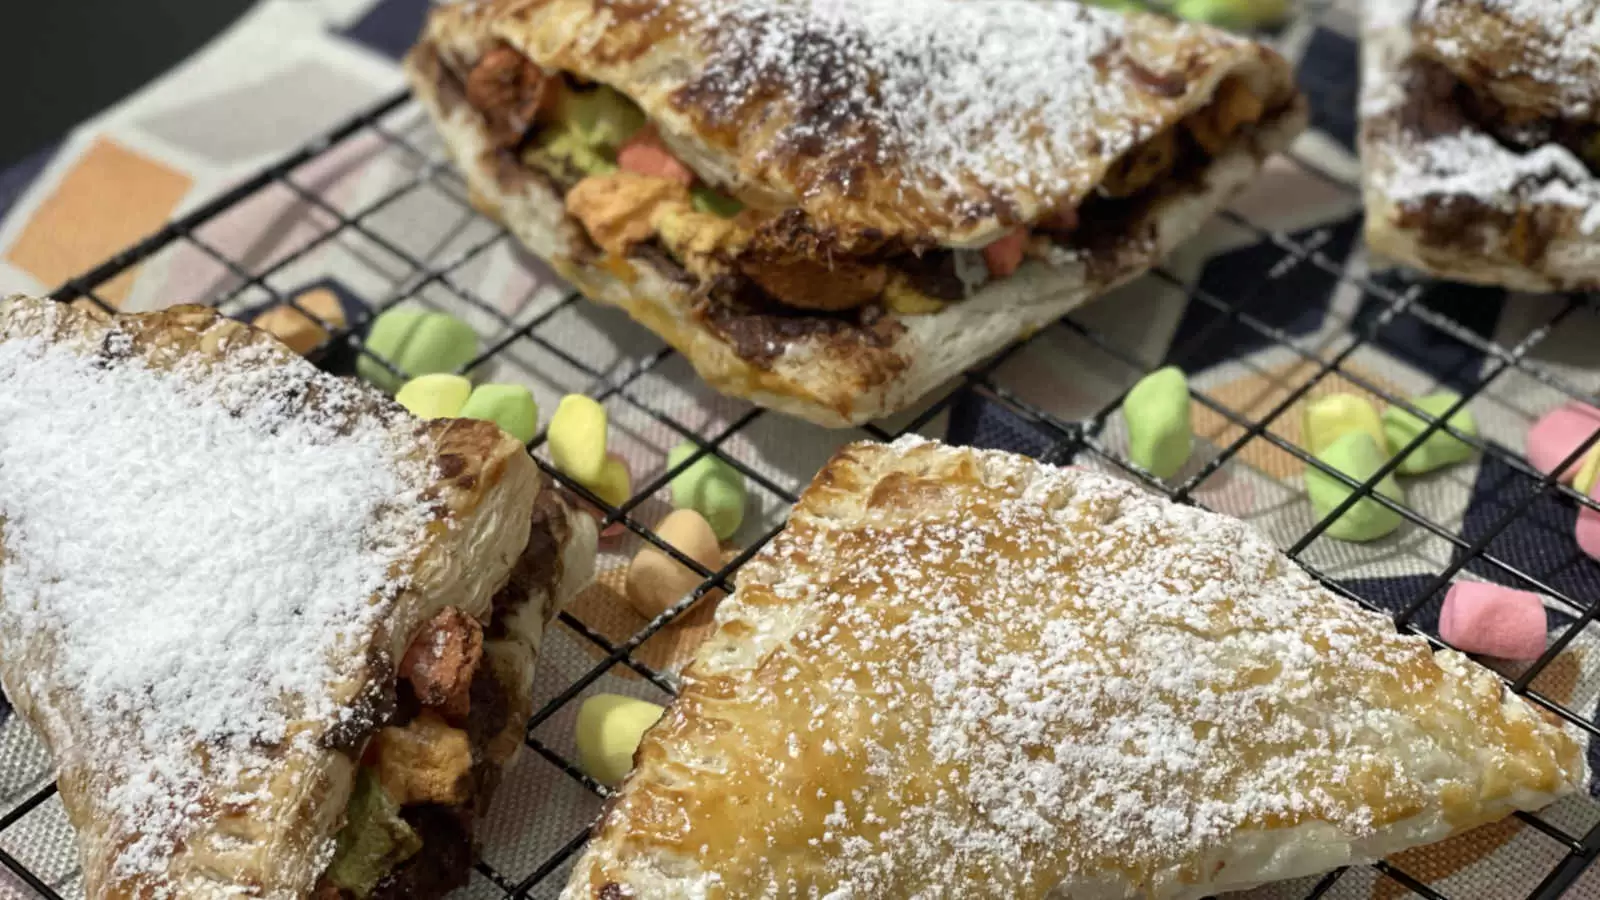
{"x":76,"y":57}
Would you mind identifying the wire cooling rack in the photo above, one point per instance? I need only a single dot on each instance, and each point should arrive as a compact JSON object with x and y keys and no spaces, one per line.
{"x":626,"y":383}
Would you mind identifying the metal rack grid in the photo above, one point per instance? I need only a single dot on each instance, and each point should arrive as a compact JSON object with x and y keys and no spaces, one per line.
{"x":1079,"y":440}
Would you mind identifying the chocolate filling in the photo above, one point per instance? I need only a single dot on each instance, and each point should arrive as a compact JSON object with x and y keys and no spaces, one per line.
{"x":1520,"y":131}
{"x":760,"y":324}
{"x":445,"y":861}
{"x":760,"y":328}
{"x":1439,"y":104}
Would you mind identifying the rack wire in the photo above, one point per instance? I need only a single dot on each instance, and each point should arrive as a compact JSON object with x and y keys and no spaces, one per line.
{"x":619,"y":384}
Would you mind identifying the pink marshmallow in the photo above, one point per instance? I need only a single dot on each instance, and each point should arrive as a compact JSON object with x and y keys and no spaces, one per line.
{"x":1554,"y":437}
{"x":1492,"y":620}
{"x":1588,"y":533}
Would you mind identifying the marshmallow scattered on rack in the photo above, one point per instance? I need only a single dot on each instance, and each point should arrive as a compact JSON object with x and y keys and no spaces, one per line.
{"x":446,"y":396}
{"x":1558,"y":434}
{"x":1156,"y":410}
{"x":1357,"y":455}
{"x":577,"y":439}
{"x":709,"y":486}
{"x":1492,"y":620}
{"x":511,"y":406}
{"x":1588,"y":530}
{"x":1439,"y":449}
{"x":655,"y":580}
{"x":416,"y":343}
{"x":1331,"y":417}
{"x":438,"y":396}
{"x":608,"y":732}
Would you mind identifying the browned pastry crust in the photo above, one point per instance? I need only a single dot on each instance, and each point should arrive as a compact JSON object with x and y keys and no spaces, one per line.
{"x":1458,"y":188}
{"x":962,"y":673}
{"x":830,"y":189}
{"x":502,"y":547}
{"x":1537,"y":57}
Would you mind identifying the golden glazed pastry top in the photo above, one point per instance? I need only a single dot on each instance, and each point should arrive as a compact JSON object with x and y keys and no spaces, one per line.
{"x":930,"y":121}
{"x":959,"y":670}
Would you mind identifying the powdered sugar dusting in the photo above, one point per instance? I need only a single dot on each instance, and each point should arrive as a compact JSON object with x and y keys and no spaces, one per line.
{"x":1002,"y":91}
{"x":1473,"y":164}
{"x":1462,"y":161}
{"x":1563,"y":50}
{"x":208,"y":556}
{"x":1027,"y":680}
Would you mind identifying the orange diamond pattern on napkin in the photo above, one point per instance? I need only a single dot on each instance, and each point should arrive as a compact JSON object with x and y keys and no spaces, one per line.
{"x":110,"y":198}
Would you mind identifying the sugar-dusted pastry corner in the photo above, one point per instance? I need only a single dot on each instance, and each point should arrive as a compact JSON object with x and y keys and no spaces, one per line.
{"x":278,"y":635}
{"x":963,"y":672}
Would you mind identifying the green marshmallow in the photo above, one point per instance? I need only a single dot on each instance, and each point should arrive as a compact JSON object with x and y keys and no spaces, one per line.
{"x":1157,"y":413}
{"x":417,"y":343}
{"x":1357,"y":455}
{"x":1441,"y":448}
{"x":706,"y":200}
{"x":439,"y":396}
{"x":1332,"y":417}
{"x":1234,"y":13}
{"x":374,"y":838}
{"x":710,"y":487}
{"x":511,"y":406}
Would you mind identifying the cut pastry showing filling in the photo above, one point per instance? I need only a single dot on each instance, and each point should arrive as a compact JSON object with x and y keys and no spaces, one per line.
{"x":277,"y":634}
{"x":1471,"y":173}
{"x":463,"y":698}
{"x":1533,"y":65}
{"x":962,"y":673}
{"x":776,"y":185}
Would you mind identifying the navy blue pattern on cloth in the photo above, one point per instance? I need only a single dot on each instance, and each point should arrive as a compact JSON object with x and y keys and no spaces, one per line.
{"x":1324,"y":76}
{"x":15,"y":178}
{"x":1297,"y":302}
{"x":977,"y":422}
{"x":390,"y":27}
{"x":1538,"y":541}
{"x":1423,"y":346}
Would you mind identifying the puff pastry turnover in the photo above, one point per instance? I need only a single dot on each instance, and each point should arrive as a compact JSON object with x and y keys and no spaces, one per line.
{"x":832,"y":207}
{"x":277,"y":634}
{"x":962,"y":674}
{"x":1480,"y":140}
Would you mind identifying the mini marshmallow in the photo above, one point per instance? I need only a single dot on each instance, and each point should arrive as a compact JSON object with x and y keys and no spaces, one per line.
{"x":1357,"y":455}
{"x":577,"y":439}
{"x":1493,"y":620}
{"x":434,"y":396}
{"x":615,"y":484}
{"x":511,"y":406}
{"x":1589,"y":472}
{"x":1332,"y":417}
{"x":656,"y":581}
{"x":1156,"y":410}
{"x":416,"y":343}
{"x":1441,"y":448}
{"x":608,"y":732}
{"x":613,"y":487}
{"x":1588,"y":531}
{"x":710,"y":487}
{"x":1233,"y":13}
{"x":1557,"y":434}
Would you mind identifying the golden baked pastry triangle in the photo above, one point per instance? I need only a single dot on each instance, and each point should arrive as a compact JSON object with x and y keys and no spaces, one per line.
{"x":835,"y":170}
{"x":962,"y":673}
{"x":213,"y":562}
